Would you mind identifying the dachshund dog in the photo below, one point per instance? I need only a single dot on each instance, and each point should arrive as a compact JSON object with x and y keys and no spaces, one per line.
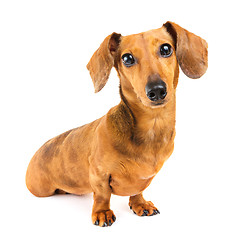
{"x":121,"y":152}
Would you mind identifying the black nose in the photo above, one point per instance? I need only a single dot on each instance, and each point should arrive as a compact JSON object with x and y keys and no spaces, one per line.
{"x":156,"y":90}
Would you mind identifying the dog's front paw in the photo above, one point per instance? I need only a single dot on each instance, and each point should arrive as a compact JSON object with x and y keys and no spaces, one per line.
{"x":144,"y":209}
{"x":103,"y":218}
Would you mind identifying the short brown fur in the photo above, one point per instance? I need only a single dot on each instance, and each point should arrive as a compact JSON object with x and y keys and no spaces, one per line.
{"x":121,"y":152}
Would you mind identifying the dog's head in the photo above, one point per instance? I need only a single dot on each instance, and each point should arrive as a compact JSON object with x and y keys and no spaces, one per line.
{"x":148,"y":63}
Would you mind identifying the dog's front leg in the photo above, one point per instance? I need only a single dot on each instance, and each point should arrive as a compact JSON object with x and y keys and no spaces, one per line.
{"x":141,"y":207}
{"x":102,"y":215}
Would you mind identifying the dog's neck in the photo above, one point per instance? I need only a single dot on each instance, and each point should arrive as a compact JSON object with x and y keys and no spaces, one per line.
{"x":136,"y":129}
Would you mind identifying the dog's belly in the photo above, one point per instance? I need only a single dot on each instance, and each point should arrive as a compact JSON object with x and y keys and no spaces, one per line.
{"x":124,"y":186}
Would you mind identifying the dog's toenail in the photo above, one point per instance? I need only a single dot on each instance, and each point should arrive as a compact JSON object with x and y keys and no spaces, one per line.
{"x":145,"y":212}
{"x":96,"y":222}
{"x":104,"y":224}
{"x":155,"y":211}
{"x":114,"y":218}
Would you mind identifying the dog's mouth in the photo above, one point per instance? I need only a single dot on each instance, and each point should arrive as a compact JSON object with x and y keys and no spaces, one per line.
{"x":158,"y":104}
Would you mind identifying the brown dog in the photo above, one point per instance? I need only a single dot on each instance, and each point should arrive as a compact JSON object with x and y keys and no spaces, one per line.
{"x":121,"y":152}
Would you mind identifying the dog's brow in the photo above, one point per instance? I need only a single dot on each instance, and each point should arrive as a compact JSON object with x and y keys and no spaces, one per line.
{"x":146,"y":47}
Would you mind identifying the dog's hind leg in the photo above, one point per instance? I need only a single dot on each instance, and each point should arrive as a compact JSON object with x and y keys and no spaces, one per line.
{"x":38,"y":182}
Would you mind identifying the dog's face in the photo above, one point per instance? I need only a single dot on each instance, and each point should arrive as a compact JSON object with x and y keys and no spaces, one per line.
{"x":148,"y":63}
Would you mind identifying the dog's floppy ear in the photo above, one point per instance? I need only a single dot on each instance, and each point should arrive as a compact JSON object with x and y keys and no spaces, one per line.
{"x":102,"y":61}
{"x":191,"y":50}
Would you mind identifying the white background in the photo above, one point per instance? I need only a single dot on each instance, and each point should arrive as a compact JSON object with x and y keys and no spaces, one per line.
{"x":46,"y":89}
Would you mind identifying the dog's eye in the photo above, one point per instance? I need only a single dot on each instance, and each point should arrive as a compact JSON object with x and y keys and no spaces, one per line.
{"x":128,"y":59}
{"x":166,"y":50}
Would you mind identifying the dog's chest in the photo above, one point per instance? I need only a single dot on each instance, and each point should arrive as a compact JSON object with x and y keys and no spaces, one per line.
{"x":126,"y":185}
{"x":140,"y":153}
{"x":132,"y":175}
